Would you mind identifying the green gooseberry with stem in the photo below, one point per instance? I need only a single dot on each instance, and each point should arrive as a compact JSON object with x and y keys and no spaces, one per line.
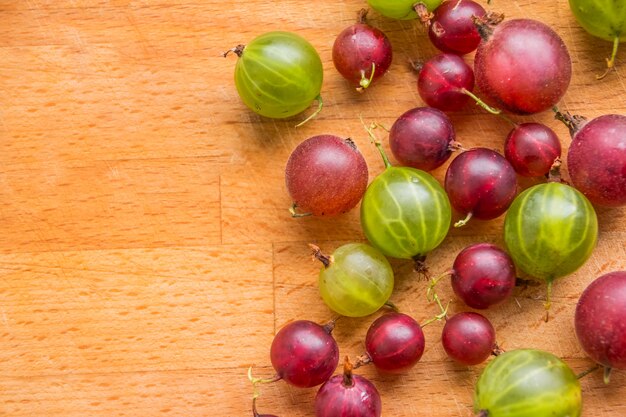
{"x":278,"y":75}
{"x":604,"y":19}
{"x":405,"y":212}
{"x":406,"y":9}
{"x":550,"y":230}
{"x":356,"y":280}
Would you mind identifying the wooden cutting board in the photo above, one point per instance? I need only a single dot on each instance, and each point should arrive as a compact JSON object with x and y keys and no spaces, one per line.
{"x":147,"y":256}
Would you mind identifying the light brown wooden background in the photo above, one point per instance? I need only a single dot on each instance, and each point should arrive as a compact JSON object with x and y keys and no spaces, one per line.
{"x":146,"y":253}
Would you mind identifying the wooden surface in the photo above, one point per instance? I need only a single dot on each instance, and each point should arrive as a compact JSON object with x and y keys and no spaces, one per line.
{"x":147,"y":256}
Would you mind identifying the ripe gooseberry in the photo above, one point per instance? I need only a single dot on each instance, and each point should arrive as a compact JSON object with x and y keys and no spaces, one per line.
{"x":522,"y":65}
{"x":452,"y":28}
{"x":278,"y":75}
{"x":362,"y":53}
{"x":348,"y":395}
{"x":468,"y":338}
{"x":394,"y":342}
{"x":527,"y":382}
{"x":481,"y":184}
{"x":482,"y":275}
{"x":304,"y":354}
{"x":603,"y":19}
{"x":356,"y":280}
{"x":532,"y":149}
{"x":444,"y":82}
{"x":550,"y":230}
{"x":422,"y":138}
{"x":600,"y":321}
{"x":406,"y":9}
{"x":596,"y":158}
{"x":325,"y":175}
{"x":405,"y":213}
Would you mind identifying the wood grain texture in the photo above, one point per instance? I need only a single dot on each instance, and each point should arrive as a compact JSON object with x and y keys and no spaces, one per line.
{"x":147,"y":257}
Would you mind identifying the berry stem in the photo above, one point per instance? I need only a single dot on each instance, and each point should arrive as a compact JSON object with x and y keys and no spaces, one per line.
{"x":424,"y":15}
{"x":362,"y":361}
{"x":370,"y":131}
{"x":441,"y":316}
{"x":295,"y":214}
{"x":319,"y":255}
{"x":347,"y":373}
{"x":497,"y":350}
{"x":485,"y":24}
{"x":483,"y":413}
{"x":330,"y":326}
{"x":554,"y":175}
{"x":320,"y":104}
{"x":610,"y":62}
{"x":362,"y":16}
{"x":493,"y":110}
{"x":587,"y":372}
{"x":456,"y":146}
{"x":256,"y":381}
{"x":433,"y":283}
{"x":573,"y":122}
{"x":365,"y":82}
{"x":607,"y":375}
{"x":237,"y":50}
{"x":464,"y":221}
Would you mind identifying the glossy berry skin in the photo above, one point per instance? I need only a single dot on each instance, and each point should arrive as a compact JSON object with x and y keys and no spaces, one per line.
{"x":401,"y":9}
{"x":523,"y":66}
{"x":405,"y":213}
{"x":452,"y":29}
{"x":483,"y":275}
{"x":441,"y":82}
{"x":422,"y":138}
{"x":481,"y":182}
{"x":468,"y":338}
{"x":304,"y":354}
{"x":532,"y":148}
{"x":527,"y":383}
{"x":357,"y":50}
{"x":550,"y":230}
{"x":357,"y":398}
{"x":357,"y":282}
{"x":326,"y":175}
{"x":596,"y":160}
{"x":600,"y":320}
{"x":394,"y":342}
{"x":279,"y":74}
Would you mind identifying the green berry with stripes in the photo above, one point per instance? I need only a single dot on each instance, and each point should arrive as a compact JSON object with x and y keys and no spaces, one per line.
{"x":279,"y":74}
{"x":527,"y":383}
{"x":356,"y":280}
{"x":402,"y":9}
{"x":550,"y":230}
{"x":405,"y":213}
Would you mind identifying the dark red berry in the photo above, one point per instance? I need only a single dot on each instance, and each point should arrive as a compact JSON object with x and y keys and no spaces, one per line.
{"x":600,"y":320}
{"x":481,"y":183}
{"x":422,"y":138}
{"x":348,"y":395}
{"x":452,"y":28}
{"x":442,"y":81}
{"x":532,"y":148}
{"x":483,"y":275}
{"x":394,"y":342}
{"x":468,"y":338}
{"x":304,"y":353}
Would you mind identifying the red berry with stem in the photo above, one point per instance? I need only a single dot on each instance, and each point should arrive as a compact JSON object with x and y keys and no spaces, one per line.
{"x":444,"y":82}
{"x":422,"y":138}
{"x":348,"y":395}
{"x":600,"y":321}
{"x":468,"y":338}
{"x":483,"y":275}
{"x":325,"y":175}
{"x":596,"y":158}
{"x":481,"y":183}
{"x":522,"y":65}
{"x":304,"y":354}
{"x":394,"y":342}
{"x":532,"y":148}
{"x":452,"y":28}
{"x":361,"y":53}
